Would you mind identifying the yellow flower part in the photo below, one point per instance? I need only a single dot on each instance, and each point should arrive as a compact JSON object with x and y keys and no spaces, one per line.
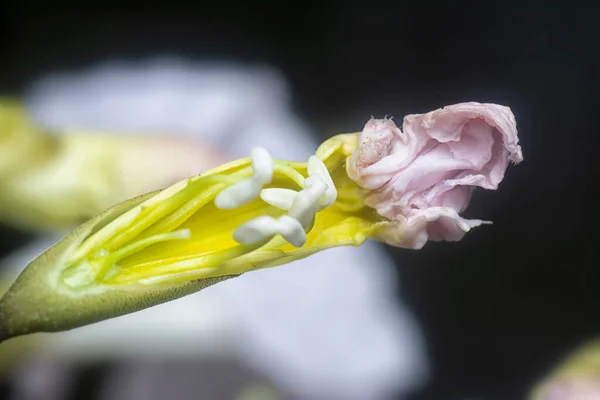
{"x":246,"y":215}
{"x":402,"y":188}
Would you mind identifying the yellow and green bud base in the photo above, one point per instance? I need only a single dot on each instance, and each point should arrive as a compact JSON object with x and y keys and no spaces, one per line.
{"x":167,"y":244}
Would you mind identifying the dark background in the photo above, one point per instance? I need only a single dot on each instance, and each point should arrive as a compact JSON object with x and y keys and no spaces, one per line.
{"x":503,"y":305}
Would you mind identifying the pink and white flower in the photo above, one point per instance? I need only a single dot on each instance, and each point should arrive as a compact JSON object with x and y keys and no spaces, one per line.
{"x":423,"y":176}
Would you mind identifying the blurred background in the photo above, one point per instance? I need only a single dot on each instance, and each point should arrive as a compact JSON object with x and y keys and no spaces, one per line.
{"x":497,"y":310}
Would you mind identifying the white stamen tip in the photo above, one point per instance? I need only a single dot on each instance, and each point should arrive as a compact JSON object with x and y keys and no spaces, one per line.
{"x":238,"y":194}
{"x":249,"y":189}
{"x":317,"y":167}
{"x":280,"y":198}
{"x":292,"y":231}
{"x":263,"y":228}
{"x":305,"y":203}
{"x":262,"y":164}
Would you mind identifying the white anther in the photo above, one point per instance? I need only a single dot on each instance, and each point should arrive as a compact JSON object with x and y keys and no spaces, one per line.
{"x":279,"y":198}
{"x":263,"y":165}
{"x":263,"y":228}
{"x":237,"y":194}
{"x":316,"y":167}
{"x":305,"y":202}
{"x":249,"y":189}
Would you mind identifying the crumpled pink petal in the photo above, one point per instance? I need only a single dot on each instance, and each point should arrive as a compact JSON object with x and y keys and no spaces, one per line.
{"x":423,"y":177}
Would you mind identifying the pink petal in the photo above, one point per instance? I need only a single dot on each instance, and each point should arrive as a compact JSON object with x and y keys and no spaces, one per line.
{"x":423,"y":177}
